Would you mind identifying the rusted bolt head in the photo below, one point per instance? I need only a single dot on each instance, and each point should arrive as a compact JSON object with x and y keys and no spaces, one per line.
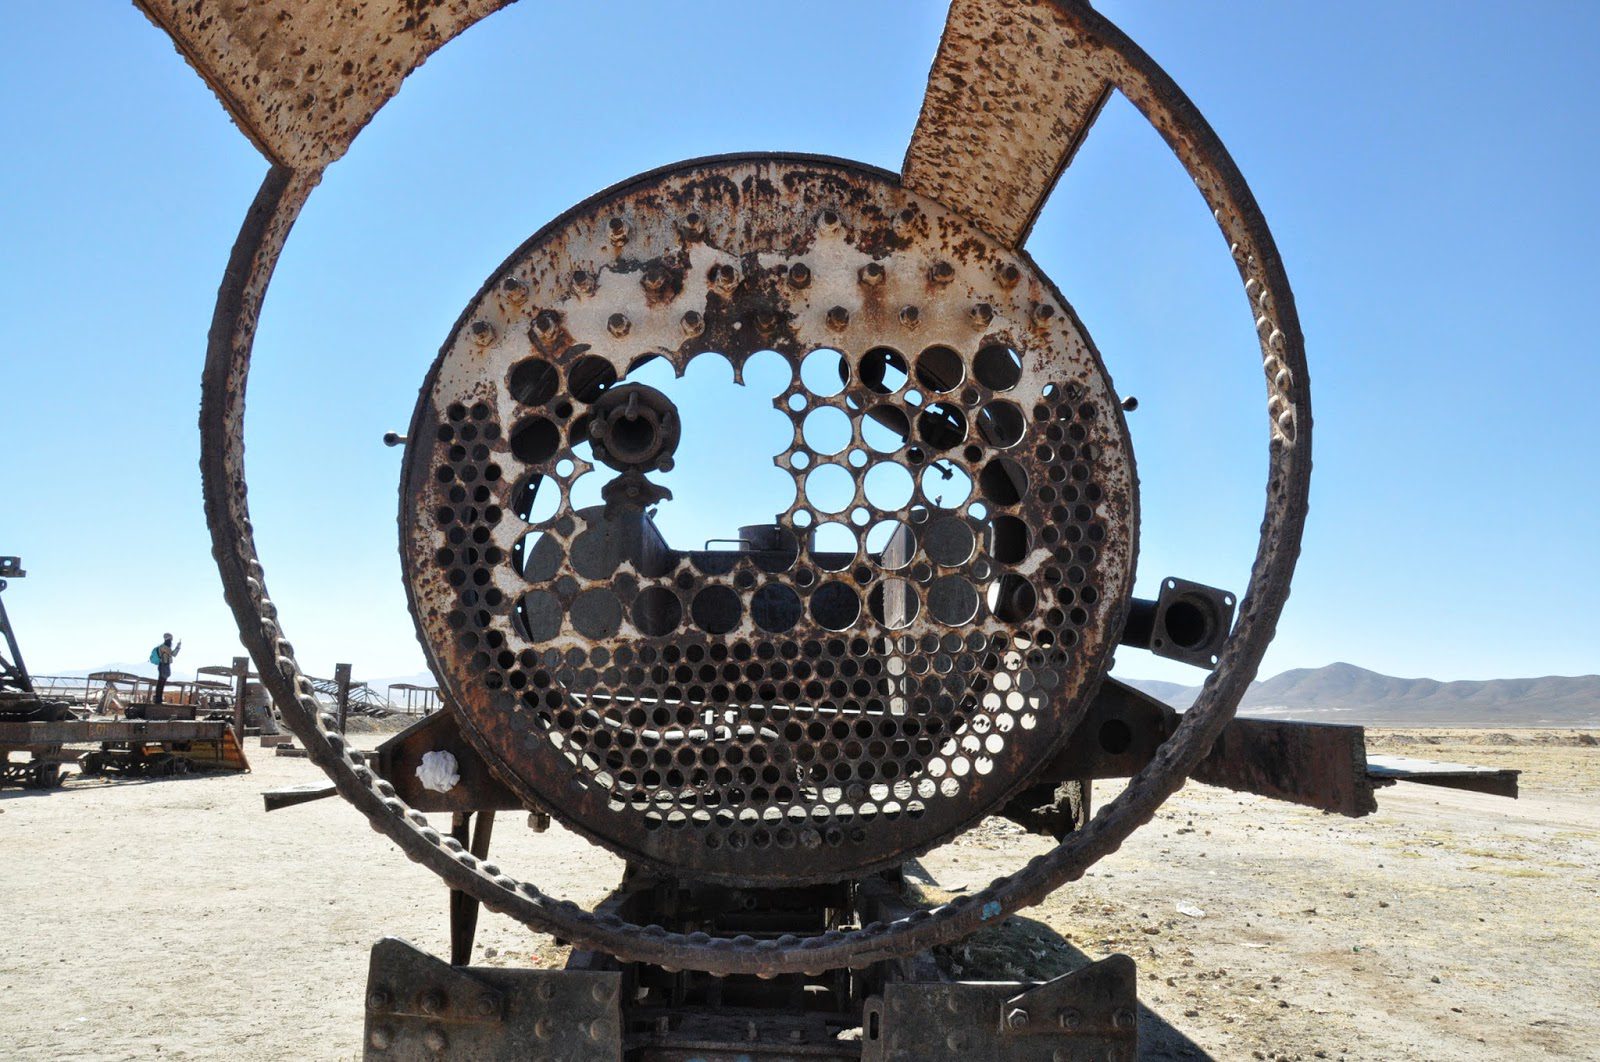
{"x":379,"y":999}
{"x":545,"y":322}
{"x":1044,"y":311}
{"x":838,"y":318}
{"x":435,"y":1040}
{"x":766,"y":319}
{"x":486,"y":1005}
{"x":618,"y":324}
{"x":943,"y":273}
{"x":1070,"y":1018}
{"x":654,"y":279}
{"x":693,"y":223}
{"x":981,"y":313}
{"x":910,"y":316}
{"x":693,"y":324}
{"x":514,"y":289}
{"x":598,"y":1029}
{"x":799,"y":274}
{"x":380,"y":1038}
{"x":482,"y":333}
{"x":1124,"y":1018}
{"x":829,"y":219}
{"x":432,"y":1001}
{"x":905,"y":218}
{"x":1010,"y":274}
{"x":723,"y":276}
{"x":1017,"y":1019}
{"x":546,"y":991}
{"x":618,"y":229}
{"x":582,"y":280}
{"x":871,"y":274}
{"x":543,"y":1028}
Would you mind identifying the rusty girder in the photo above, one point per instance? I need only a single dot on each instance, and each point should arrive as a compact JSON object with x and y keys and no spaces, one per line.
{"x":1057,"y":61}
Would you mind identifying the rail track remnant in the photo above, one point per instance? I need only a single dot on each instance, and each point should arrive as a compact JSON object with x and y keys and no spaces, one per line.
{"x":768,"y":733}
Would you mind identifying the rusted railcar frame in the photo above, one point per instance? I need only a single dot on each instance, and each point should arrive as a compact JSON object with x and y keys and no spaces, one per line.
{"x":278,"y":203}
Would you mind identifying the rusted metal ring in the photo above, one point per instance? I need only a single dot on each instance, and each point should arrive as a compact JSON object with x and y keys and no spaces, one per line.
{"x":255,"y":254}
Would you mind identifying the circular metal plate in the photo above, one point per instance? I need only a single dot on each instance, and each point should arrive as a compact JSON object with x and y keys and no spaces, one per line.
{"x":791,"y":711}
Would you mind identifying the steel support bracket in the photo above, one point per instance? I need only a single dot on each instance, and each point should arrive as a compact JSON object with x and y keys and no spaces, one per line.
{"x":1089,"y":1015}
{"x":420,"y":1007}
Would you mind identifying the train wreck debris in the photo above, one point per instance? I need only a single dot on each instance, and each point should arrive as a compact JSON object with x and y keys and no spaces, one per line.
{"x":768,"y":734}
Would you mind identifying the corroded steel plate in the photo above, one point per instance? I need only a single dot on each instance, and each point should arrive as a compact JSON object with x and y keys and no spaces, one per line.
{"x":794,"y":710}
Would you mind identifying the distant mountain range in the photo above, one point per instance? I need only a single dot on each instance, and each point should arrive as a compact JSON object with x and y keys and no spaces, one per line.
{"x":1344,"y":693}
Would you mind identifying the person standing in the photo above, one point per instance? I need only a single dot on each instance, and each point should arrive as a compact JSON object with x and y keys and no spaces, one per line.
{"x":161,"y":656}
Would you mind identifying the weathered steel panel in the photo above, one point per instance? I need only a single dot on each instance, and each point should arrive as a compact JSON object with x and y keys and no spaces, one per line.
{"x":302,"y":77}
{"x":1014,"y":89}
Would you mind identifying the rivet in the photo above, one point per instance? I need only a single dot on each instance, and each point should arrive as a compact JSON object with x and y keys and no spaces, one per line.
{"x":597,"y":1029}
{"x":514,"y":289}
{"x":654,"y":279}
{"x":486,"y":1005}
{"x":482,"y":333}
{"x":904,"y":219}
{"x":618,"y":325}
{"x":583,"y":281}
{"x":871,"y":274}
{"x":1010,"y":274}
{"x":692,"y":323}
{"x":1044,"y":311}
{"x":379,"y":999}
{"x":1071,"y":1018}
{"x":766,"y":319}
{"x":433,"y":1001}
{"x":693,"y":224}
{"x":828,"y":220}
{"x":981,"y":313}
{"x":1124,"y":1018}
{"x":435,"y":1040}
{"x":799,"y":274}
{"x":723,"y":277}
{"x":618,"y":228}
{"x":943,"y":273}
{"x":380,"y":1038}
{"x":545,"y":322}
{"x":600,"y":992}
{"x":543,"y":1028}
{"x":910,"y":316}
{"x":838,"y":318}
{"x":546,"y":991}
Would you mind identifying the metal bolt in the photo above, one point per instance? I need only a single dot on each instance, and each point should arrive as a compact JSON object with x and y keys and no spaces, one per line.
{"x":545,"y":322}
{"x":838,"y":318}
{"x":543,"y":1028}
{"x":435,"y":1040}
{"x":723,"y":277}
{"x":981,"y":313}
{"x":799,"y":274}
{"x":379,"y":999}
{"x":943,"y":273}
{"x":766,"y":319}
{"x":380,"y":1038}
{"x":514,"y":289}
{"x":618,"y":325}
{"x":1124,"y":1018}
{"x":482,"y":333}
{"x":1009,"y":275}
{"x":486,"y":1005}
{"x":618,"y":228}
{"x":828,"y":220}
{"x":910,"y":316}
{"x":654,"y":279}
{"x":1044,"y":311}
{"x":693,"y":224}
{"x":432,"y":1001}
{"x":583,"y":280}
{"x":1071,"y":1018}
{"x":1017,"y":1019}
{"x":904,"y":219}
{"x":693,"y":324}
{"x":871,"y":274}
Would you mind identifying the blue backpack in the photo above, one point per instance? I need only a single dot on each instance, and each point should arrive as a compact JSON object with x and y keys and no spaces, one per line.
{"x":155,"y":655}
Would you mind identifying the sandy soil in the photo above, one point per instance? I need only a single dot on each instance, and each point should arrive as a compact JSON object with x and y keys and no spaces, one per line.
{"x":174,"y":919}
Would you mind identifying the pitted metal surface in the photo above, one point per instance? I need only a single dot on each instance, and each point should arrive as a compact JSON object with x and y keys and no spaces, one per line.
{"x":798,"y":710}
{"x":255,"y":254}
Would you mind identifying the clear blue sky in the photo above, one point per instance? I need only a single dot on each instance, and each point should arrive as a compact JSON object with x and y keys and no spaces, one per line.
{"x":1428,"y":169}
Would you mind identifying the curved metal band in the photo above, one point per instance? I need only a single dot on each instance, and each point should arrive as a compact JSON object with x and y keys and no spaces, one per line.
{"x":255,"y":254}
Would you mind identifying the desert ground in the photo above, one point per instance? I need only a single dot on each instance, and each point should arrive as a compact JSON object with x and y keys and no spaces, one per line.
{"x":175,"y":919}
